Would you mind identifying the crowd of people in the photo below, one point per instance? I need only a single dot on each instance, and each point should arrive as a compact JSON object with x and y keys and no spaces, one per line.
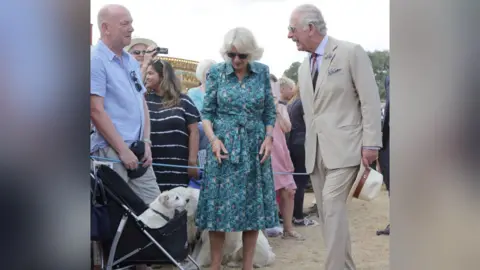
{"x":247,"y":123}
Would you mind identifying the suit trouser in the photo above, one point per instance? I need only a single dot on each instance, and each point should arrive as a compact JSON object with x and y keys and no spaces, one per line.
{"x":331,"y":187}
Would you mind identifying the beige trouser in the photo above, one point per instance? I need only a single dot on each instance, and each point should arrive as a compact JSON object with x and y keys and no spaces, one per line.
{"x":331,"y":187}
{"x":145,"y":187}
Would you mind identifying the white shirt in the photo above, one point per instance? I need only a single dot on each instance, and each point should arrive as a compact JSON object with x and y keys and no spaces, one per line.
{"x":320,"y":51}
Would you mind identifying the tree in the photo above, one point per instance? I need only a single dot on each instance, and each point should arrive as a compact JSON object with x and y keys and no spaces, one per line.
{"x":292,"y":71}
{"x":381,"y":66}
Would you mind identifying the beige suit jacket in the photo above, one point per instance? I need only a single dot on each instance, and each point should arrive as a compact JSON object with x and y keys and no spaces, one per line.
{"x":343,"y":113}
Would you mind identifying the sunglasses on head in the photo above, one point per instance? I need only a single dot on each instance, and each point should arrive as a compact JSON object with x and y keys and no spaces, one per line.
{"x":135,"y":80}
{"x":240,"y":55}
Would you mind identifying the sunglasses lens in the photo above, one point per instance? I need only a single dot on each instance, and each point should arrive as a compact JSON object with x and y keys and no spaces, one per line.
{"x":136,"y":52}
{"x":240,"y":55}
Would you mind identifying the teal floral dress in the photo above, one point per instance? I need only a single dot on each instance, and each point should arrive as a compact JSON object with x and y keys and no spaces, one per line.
{"x":239,"y":193}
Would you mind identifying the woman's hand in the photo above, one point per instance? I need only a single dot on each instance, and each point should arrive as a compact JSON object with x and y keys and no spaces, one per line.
{"x":149,"y":56}
{"x":219,"y":150}
{"x":266,"y":148}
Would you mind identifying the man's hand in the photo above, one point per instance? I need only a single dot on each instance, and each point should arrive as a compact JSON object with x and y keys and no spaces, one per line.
{"x":147,"y":157}
{"x":128,"y":158}
{"x":369,"y":156}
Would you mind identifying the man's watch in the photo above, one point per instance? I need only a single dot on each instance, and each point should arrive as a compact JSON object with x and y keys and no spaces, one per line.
{"x":147,"y":141}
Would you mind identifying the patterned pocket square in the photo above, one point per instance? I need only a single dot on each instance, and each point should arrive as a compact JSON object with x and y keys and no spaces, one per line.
{"x":333,"y":71}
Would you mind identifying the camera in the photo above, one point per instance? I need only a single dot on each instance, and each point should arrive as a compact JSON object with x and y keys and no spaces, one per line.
{"x":158,"y":50}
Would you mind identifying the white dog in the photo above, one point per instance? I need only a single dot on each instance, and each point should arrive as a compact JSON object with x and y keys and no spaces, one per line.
{"x":162,"y":209}
{"x":191,"y":195}
{"x":232,"y":249}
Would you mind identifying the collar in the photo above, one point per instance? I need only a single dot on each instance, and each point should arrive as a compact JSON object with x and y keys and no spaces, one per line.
{"x":160,"y":214}
{"x":321,"y":47}
{"x":111,"y":55}
{"x":252,"y":66}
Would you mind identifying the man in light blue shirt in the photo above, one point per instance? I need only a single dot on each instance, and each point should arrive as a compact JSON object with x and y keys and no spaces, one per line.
{"x":118,"y":108}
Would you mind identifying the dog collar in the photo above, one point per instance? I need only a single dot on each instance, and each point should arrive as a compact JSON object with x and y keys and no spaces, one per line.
{"x":160,"y":214}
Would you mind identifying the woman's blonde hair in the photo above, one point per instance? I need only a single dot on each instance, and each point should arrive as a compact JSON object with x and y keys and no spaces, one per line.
{"x":296,"y":94}
{"x":285,"y":81}
{"x":202,"y":69}
{"x":169,"y":83}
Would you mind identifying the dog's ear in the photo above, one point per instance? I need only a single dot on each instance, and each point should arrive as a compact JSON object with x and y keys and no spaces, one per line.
{"x":163,"y":198}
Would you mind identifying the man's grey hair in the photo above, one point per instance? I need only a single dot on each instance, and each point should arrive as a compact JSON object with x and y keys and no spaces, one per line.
{"x":202,"y":69}
{"x":286,"y":82}
{"x":310,"y":14}
{"x":243,"y":40}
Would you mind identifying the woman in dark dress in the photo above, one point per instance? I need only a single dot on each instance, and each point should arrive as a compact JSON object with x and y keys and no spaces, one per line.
{"x":174,"y":126}
{"x":296,"y":146}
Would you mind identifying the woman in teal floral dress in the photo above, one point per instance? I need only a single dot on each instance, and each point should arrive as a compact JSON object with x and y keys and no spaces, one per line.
{"x":238,"y":192}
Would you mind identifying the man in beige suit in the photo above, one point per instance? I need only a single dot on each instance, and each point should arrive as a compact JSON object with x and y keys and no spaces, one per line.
{"x":342,"y":115}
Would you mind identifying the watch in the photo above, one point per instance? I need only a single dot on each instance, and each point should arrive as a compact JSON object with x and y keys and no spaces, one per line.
{"x":269,"y":134}
{"x":147,"y":141}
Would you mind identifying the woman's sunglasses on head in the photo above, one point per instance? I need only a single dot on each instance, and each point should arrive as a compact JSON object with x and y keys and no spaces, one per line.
{"x":240,"y":55}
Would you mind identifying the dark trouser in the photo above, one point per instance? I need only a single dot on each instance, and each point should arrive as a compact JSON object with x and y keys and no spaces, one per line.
{"x":297,"y":153}
{"x":384,"y":160}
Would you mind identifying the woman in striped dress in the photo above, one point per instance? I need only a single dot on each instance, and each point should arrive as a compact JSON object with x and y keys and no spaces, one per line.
{"x":174,"y":126}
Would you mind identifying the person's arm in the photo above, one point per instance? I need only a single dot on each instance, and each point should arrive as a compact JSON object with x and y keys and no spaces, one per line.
{"x":269,"y":111}
{"x":193,"y":144}
{"x":366,"y":86}
{"x":102,"y":122}
{"x":283,"y":118}
{"x":147,"y":127}
{"x":192,"y":117}
{"x":209,"y":111}
{"x":146,"y":61}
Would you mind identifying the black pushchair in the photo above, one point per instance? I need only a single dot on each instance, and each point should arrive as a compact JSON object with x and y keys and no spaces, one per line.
{"x":130,"y":241}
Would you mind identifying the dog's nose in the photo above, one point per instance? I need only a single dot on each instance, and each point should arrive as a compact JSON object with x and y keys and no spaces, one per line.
{"x":187,"y":200}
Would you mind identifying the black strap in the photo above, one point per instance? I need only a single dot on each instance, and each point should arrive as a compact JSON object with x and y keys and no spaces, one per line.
{"x":98,"y":191}
{"x":160,"y":214}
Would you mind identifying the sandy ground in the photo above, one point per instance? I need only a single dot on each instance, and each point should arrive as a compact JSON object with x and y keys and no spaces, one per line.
{"x":370,"y":252}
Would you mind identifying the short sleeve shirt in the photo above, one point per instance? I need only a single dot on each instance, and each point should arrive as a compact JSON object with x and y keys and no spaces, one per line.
{"x":118,"y":81}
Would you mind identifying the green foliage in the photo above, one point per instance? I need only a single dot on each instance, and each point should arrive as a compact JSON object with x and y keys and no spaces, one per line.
{"x":292,"y":71}
{"x":380,"y":65}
